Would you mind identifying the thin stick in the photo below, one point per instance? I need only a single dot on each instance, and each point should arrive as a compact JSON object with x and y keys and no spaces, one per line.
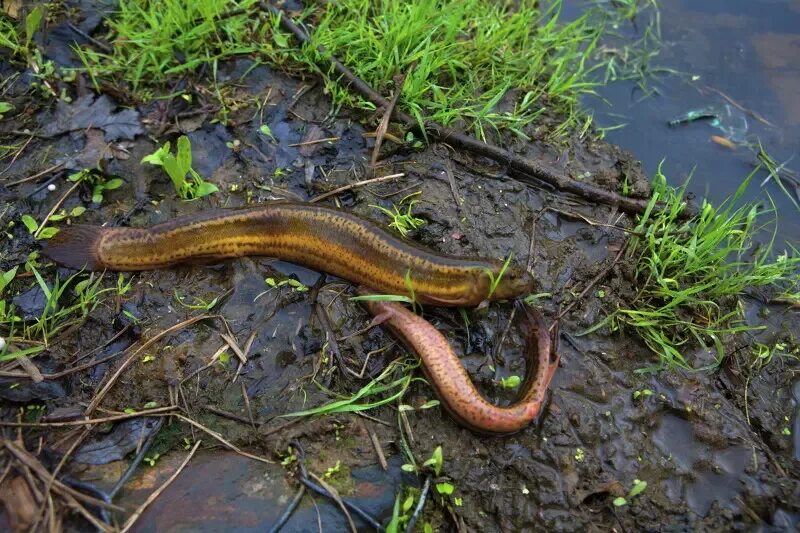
{"x":37,"y":175}
{"x":338,"y":499}
{"x":49,"y":483}
{"x":210,"y":363}
{"x":117,"y":335}
{"x":18,"y":152}
{"x":420,"y":505}
{"x":740,"y":107}
{"x":384,"y":125}
{"x":132,"y":357}
{"x":289,"y":510}
{"x":355,"y":185}
{"x":247,"y":403}
{"x":602,"y":274}
{"x":218,"y":437}
{"x":90,"y":421}
{"x":318,"y":141}
{"x":134,"y":464}
{"x":55,"y":208}
{"x":378,"y":449}
{"x":526,"y":167}
{"x":281,"y":427}
{"x":33,"y":463}
{"x":234,"y":344}
{"x":451,"y":179}
{"x":374,"y":419}
{"x":61,"y":374}
{"x":226,"y":414}
{"x":30,"y":370}
{"x":150,"y":499}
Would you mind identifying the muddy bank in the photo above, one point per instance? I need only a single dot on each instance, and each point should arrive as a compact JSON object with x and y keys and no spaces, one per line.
{"x":605,"y":426}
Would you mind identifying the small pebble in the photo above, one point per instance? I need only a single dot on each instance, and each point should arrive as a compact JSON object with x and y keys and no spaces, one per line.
{"x":51,"y":187}
{"x":2,"y":344}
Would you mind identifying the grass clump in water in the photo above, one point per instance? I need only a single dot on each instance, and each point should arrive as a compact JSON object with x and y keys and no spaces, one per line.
{"x":691,"y":273}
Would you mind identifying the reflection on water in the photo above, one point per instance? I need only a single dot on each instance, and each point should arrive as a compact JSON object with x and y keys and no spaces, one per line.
{"x":741,"y":60}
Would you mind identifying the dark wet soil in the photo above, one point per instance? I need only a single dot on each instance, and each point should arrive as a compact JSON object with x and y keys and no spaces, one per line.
{"x":710,"y":445}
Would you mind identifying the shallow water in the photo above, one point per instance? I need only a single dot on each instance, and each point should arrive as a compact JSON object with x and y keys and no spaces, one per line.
{"x":747,"y":49}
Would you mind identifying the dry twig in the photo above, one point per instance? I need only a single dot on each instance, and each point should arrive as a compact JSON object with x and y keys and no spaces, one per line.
{"x":150,"y":499}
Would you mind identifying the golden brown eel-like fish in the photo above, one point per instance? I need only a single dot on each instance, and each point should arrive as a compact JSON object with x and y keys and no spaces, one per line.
{"x":451,"y":381}
{"x":323,"y":238}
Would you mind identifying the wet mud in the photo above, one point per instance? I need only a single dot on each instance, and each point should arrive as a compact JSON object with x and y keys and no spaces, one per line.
{"x":709,"y":445}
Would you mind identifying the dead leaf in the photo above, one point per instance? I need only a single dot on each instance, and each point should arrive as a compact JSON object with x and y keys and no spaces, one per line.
{"x":11,"y":8}
{"x":21,"y":506}
{"x":123,"y":439}
{"x":723,"y":141}
{"x":122,"y":150}
{"x":94,"y":152}
{"x":85,"y":113}
{"x":308,"y":146}
{"x":190,"y":124}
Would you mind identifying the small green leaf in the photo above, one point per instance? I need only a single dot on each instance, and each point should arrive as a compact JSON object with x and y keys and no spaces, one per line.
{"x":620,"y":501}
{"x":408,"y":503}
{"x":150,"y":405}
{"x":173,"y":169}
{"x":205,"y":188}
{"x":445,"y":488}
{"x":48,"y":233}
{"x":6,"y":278}
{"x":184,"y":154}
{"x":430,"y":404}
{"x":81,"y":285}
{"x":32,"y":22}
{"x":5,"y":107}
{"x":112,"y":184}
{"x":638,"y":488}
{"x":77,"y":211}
{"x":30,"y":223}
{"x":266,"y":131}
{"x":78,"y":176}
{"x":510,"y":382}
{"x":408,"y":468}
{"x":436,"y":460}
{"x":280,"y":39}
{"x":156,"y":158}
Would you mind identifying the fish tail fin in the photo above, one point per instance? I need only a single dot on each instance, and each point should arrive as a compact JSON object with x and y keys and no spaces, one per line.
{"x":76,"y":247}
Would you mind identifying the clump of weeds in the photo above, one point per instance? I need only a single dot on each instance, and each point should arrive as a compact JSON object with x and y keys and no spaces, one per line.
{"x":483,"y":65}
{"x":691,"y":273}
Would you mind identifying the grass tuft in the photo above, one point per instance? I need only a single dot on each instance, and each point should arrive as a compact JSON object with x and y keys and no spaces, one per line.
{"x":484,"y":66}
{"x":463,"y":59}
{"x":379,"y":391}
{"x":692,"y":273}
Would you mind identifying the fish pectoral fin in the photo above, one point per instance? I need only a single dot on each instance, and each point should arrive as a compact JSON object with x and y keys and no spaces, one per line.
{"x":438,"y":300}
